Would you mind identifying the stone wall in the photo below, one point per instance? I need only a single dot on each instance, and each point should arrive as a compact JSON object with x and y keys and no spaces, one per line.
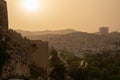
{"x":39,"y":54}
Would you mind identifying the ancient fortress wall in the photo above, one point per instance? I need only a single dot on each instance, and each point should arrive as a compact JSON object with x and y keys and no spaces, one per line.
{"x":3,"y":14}
{"x":39,"y":54}
{"x":18,"y":64}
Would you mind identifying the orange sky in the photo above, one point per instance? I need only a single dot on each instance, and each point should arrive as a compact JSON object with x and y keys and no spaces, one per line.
{"x":83,"y":15}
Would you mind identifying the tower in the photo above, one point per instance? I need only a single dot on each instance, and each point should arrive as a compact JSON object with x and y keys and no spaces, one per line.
{"x":39,"y":54}
{"x":3,"y":15}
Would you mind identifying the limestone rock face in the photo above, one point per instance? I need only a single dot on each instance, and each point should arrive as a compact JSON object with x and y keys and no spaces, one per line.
{"x":17,"y":64}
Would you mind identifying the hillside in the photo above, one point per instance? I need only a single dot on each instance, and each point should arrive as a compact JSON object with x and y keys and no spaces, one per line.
{"x":13,"y":54}
{"x":79,"y":41}
{"x":32,"y":33}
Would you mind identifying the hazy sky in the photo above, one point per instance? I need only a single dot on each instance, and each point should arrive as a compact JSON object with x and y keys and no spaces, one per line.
{"x":83,"y":15}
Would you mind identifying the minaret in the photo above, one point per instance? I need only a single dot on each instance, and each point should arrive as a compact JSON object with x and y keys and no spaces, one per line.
{"x":3,"y":15}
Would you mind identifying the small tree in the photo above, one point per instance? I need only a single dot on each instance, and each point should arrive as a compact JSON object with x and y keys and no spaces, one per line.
{"x":58,"y":70}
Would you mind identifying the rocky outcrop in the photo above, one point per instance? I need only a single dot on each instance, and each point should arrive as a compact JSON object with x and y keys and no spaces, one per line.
{"x":14,"y":50}
{"x":17,"y":63}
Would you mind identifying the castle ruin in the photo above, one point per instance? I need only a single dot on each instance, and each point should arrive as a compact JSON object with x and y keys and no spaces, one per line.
{"x":103,"y":30}
{"x":20,"y":58}
{"x":39,"y":54}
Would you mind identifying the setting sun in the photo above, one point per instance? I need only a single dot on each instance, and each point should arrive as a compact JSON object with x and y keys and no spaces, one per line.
{"x":37,"y":15}
{"x":30,"y":5}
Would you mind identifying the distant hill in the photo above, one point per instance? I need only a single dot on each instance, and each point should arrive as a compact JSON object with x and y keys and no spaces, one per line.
{"x":79,"y":41}
{"x":32,"y":33}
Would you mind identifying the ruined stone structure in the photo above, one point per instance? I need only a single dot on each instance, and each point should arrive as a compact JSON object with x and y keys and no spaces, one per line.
{"x":17,"y":64}
{"x":103,"y":30}
{"x":39,"y":54}
{"x":3,"y":14}
{"x":20,"y":58}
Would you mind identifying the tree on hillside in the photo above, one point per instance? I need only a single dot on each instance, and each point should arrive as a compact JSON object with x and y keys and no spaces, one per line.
{"x":104,"y":66}
{"x":3,"y":54}
{"x":58,"y":70}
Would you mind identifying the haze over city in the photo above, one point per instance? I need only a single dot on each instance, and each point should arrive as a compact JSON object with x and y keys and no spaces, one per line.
{"x":83,"y":15}
{"x":59,"y":40}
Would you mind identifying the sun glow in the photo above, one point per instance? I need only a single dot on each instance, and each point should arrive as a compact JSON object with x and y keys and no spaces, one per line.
{"x":31,"y":5}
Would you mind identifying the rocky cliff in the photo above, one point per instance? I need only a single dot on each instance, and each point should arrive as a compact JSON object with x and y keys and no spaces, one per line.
{"x":16,"y":57}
